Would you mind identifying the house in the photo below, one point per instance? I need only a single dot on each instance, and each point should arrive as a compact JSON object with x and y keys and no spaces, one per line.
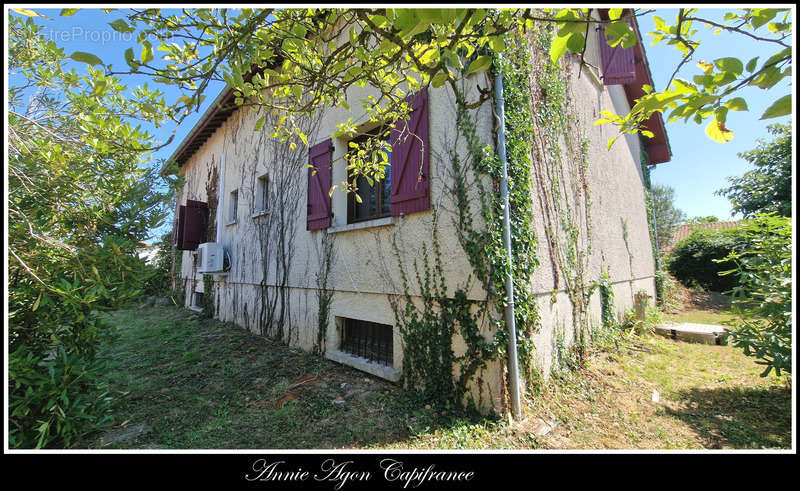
{"x":268,"y":247}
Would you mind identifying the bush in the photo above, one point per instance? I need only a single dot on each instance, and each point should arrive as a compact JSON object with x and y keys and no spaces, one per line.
{"x":693,"y":262}
{"x":763,"y":298}
{"x":55,"y":399}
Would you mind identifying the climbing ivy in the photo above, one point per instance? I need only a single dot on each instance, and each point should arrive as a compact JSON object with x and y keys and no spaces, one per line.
{"x":606,"y":300}
{"x":427,"y":330}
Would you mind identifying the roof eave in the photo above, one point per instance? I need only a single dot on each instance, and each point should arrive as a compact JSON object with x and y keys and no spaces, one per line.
{"x":215,"y":110}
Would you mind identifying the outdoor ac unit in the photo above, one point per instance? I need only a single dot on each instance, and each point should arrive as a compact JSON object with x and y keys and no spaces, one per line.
{"x":211,"y":257}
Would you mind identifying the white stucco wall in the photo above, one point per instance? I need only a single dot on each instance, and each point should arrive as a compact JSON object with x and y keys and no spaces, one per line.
{"x":364,"y":269}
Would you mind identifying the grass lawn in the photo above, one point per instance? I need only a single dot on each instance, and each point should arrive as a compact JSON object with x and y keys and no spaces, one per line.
{"x":183,"y":382}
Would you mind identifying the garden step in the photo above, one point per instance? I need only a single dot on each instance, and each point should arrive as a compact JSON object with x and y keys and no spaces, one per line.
{"x":697,"y":333}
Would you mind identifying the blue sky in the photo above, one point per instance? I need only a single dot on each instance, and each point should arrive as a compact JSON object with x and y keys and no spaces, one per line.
{"x":699,"y":165}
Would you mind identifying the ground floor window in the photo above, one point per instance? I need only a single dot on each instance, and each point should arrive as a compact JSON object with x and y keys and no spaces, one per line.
{"x":368,"y":340}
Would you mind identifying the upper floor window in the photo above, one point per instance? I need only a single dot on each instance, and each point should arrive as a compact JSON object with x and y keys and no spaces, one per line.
{"x":233,"y":206}
{"x":370,"y":201}
{"x":261,"y":198}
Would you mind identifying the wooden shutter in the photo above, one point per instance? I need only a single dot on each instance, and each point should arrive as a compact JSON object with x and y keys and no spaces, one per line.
{"x":319,"y":184}
{"x":177,"y":228}
{"x":411,"y":160}
{"x":618,"y":64}
{"x":195,"y":223}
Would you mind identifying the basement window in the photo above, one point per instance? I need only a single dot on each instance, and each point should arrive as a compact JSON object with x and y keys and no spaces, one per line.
{"x":368,"y":340}
{"x":197,"y":300}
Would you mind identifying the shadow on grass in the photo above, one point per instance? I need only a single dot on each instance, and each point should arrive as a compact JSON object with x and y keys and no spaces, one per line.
{"x":742,"y":417}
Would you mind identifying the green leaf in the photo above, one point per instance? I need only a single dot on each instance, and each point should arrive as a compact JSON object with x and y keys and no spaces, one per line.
{"x":762,"y":16}
{"x":614,"y":14}
{"x":781,"y":107}
{"x":558,"y":47}
{"x":84,"y":57}
{"x":576,"y":42}
{"x":439,"y":80}
{"x":120,"y":25}
{"x":68,"y":12}
{"x":27,"y":12}
{"x":620,"y":33}
{"x":147,"y":51}
{"x":36,"y":303}
{"x":730,"y":64}
{"x":497,"y":44}
{"x":430,"y":55}
{"x":480,"y":64}
{"x":737,"y":104}
{"x":260,"y":123}
{"x":721,"y":114}
{"x":751,"y":65}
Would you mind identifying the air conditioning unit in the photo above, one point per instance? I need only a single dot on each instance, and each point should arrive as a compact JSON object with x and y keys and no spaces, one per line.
{"x":211,"y":257}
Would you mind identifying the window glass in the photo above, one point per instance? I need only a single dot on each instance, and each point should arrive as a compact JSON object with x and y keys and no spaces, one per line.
{"x":375,"y":199}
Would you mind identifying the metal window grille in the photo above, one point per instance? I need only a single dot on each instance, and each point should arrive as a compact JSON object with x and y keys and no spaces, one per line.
{"x":368,"y":340}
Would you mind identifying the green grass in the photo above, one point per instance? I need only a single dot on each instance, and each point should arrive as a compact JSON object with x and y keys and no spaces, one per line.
{"x":700,"y":317}
{"x":200,"y":384}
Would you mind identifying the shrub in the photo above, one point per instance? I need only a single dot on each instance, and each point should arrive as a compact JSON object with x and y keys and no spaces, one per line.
{"x":763,"y":298}
{"x":54,"y":399}
{"x":693,"y":262}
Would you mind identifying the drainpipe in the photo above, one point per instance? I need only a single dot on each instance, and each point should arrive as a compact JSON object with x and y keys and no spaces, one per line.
{"x":513,"y":367}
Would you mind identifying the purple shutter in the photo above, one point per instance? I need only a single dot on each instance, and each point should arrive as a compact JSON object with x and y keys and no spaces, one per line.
{"x":319,"y":185}
{"x":177,"y":228}
{"x":619,"y":64}
{"x":195,"y":224}
{"x":411,"y":160}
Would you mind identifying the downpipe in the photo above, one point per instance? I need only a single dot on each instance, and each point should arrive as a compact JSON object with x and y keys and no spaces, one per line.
{"x":513,"y":366}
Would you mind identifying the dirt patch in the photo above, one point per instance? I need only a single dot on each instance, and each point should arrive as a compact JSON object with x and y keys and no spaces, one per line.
{"x":683,"y":299}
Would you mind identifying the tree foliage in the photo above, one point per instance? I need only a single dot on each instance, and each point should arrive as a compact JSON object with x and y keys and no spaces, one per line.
{"x":79,"y":201}
{"x":768,"y":187}
{"x":667,"y":216}
{"x":763,"y":298}
{"x":293,"y":61}
{"x":693,"y":261}
{"x":716,"y":88}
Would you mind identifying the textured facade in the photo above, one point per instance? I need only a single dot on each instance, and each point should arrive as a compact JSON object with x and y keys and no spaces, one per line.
{"x":302,"y":275}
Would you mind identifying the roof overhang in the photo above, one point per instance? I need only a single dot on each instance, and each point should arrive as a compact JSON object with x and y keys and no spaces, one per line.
{"x":216,"y":114}
{"x":657,"y":148}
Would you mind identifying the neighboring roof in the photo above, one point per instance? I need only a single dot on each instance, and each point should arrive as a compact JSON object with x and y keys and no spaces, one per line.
{"x":681,"y":232}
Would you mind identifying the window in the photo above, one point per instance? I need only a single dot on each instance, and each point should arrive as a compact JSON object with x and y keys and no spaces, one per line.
{"x":233,"y":206}
{"x":375,"y":200}
{"x":261,"y":199}
{"x":368,"y":340}
{"x":197,"y":299}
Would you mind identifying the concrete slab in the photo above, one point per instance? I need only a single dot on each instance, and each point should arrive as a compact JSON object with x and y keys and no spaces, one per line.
{"x":696,"y":333}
